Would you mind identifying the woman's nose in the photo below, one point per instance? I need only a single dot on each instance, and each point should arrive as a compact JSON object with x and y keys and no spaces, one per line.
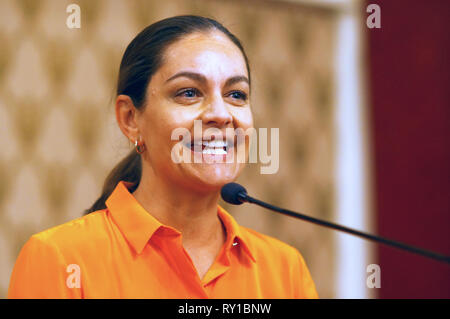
{"x":216,"y":113}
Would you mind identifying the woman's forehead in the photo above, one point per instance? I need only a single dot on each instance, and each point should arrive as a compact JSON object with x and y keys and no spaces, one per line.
{"x":211,"y":54}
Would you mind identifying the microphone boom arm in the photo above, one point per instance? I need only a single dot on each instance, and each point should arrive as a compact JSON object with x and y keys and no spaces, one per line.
{"x":244,"y":197}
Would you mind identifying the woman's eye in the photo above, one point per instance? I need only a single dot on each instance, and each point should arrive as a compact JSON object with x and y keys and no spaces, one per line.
{"x":189,"y":93}
{"x":239,"y":95}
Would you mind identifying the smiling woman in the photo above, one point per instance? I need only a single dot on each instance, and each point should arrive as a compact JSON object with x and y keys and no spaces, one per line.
{"x":157,"y":231}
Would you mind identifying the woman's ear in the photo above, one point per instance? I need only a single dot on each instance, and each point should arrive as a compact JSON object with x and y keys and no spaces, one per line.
{"x":126,"y":114}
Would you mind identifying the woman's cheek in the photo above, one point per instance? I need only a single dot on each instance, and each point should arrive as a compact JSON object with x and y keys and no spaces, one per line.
{"x":243,"y":117}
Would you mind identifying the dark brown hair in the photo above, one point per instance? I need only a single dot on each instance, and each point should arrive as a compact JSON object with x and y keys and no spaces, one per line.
{"x":142,"y":58}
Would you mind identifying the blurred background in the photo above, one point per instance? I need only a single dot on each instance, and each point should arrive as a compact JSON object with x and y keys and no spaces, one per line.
{"x":363,"y":114}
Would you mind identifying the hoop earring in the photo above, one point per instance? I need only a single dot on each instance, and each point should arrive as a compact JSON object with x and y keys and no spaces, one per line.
{"x":139,"y":147}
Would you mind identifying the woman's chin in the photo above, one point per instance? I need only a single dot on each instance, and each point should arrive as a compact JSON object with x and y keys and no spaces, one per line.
{"x":214,"y":176}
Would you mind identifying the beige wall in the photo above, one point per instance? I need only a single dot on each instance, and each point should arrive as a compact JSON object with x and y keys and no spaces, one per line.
{"x":58,"y":137}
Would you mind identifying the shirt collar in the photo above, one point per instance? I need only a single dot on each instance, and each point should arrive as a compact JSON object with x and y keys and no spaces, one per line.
{"x":234,"y":232}
{"x":138,"y":226}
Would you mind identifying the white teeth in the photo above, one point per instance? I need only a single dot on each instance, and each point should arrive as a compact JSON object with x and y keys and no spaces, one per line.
{"x":210,"y":147}
{"x":215,"y":143}
{"x":214,"y":147}
{"x":214,"y":151}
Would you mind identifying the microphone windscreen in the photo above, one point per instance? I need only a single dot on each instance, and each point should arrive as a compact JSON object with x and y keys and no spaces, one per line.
{"x":230,"y":193}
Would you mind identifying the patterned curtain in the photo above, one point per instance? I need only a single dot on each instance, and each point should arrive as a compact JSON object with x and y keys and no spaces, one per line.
{"x":59,"y":138}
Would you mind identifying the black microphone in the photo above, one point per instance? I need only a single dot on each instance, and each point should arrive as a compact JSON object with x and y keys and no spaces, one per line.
{"x":236,"y":194}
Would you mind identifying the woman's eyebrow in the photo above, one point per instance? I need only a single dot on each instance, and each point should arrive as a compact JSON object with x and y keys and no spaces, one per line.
{"x":201,"y":78}
{"x":192,"y":75}
{"x":236,"y":79}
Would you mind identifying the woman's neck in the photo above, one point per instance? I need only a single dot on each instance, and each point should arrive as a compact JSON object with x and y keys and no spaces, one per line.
{"x":192,"y":213}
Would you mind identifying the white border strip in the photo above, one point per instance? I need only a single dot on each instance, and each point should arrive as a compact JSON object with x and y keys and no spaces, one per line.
{"x":352,"y":209}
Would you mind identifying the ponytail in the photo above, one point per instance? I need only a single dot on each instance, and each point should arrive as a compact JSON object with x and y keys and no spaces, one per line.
{"x":129,"y":169}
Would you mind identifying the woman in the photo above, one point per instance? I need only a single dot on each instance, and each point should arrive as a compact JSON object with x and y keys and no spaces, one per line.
{"x":157,"y":230}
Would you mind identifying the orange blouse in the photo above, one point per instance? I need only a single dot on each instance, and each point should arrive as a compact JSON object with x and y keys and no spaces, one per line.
{"x":124,"y":252}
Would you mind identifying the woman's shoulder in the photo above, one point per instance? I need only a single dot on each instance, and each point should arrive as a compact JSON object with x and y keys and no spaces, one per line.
{"x":75,"y":232}
{"x":47,"y":258}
